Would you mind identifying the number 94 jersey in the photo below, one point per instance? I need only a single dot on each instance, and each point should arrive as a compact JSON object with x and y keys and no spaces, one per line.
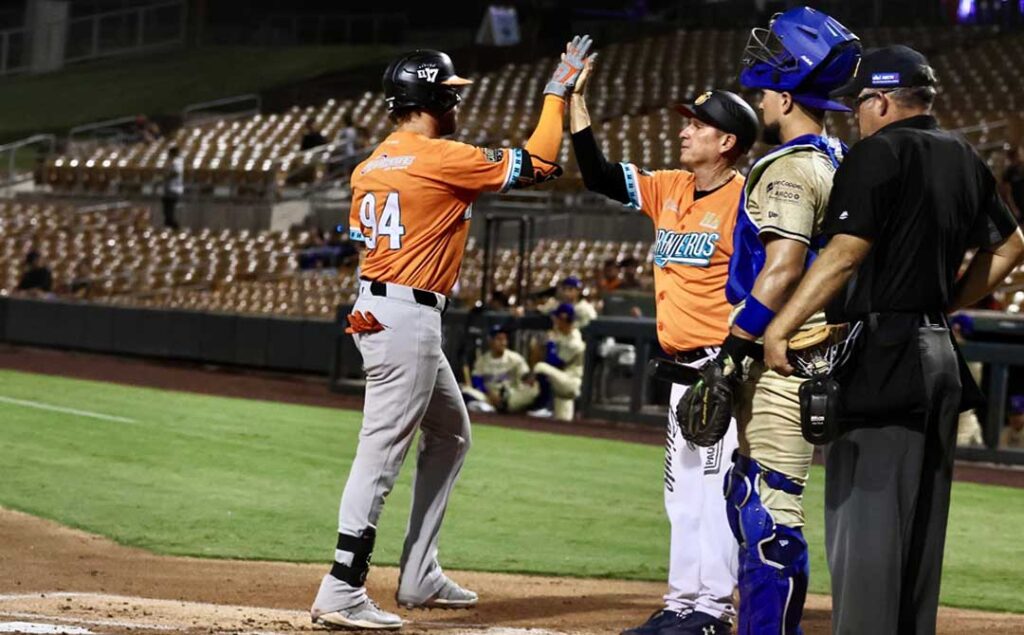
{"x":411,"y":206}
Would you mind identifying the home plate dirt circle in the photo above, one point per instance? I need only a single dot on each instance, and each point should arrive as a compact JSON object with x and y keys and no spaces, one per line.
{"x":60,"y":580}
{"x":95,"y":613}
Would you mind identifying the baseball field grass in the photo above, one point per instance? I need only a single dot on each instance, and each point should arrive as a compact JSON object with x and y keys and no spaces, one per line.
{"x":186,"y":474}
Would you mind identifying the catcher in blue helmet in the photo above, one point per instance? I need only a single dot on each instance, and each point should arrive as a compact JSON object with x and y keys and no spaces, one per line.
{"x":796,"y":62}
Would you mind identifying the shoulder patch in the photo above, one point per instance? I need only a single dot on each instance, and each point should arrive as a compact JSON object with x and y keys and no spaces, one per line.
{"x":494,"y":155}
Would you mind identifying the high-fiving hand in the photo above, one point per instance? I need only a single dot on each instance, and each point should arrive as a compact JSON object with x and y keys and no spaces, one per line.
{"x":581,"y":81}
{"x":569,"y":69}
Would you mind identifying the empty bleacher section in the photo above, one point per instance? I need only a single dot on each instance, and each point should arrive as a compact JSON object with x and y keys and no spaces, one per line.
{"x":117,"y":257}
{"x":635,"y":84}
{"x":236,"y":158}
{"x":120,"y":257}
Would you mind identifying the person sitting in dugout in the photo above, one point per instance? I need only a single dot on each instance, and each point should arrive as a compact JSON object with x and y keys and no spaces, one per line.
{"x":500,"y":380}
{"x":570,"y":291}
{"x":560,"y":374}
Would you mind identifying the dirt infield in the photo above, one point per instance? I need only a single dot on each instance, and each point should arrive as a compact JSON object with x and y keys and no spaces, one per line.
{"x":79,"y":583}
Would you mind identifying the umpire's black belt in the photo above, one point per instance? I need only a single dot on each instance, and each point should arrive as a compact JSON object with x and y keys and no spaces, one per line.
{"x":927,"y":318}
{"x":401,"y":292}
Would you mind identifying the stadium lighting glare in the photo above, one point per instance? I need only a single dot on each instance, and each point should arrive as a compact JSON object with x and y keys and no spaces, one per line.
{"x":966,"y":9}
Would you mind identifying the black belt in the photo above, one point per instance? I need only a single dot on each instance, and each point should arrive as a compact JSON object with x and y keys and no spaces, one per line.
{"x":927,"y":318}
{"x":426,"y":298}
{"x":691,"y":356}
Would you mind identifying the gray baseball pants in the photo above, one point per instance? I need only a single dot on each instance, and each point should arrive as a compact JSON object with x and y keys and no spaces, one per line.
{"x":409,"y":386}
{"x":886,"y":505}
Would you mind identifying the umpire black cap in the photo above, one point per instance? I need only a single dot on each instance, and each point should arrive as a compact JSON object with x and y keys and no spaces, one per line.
{"x":422,"y":80}
{"x":726,"y":111}
{"x":889,"y":67}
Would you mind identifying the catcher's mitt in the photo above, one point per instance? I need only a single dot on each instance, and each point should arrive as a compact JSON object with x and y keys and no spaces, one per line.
{"x":706,"y":409}
{"x":822,"y":350}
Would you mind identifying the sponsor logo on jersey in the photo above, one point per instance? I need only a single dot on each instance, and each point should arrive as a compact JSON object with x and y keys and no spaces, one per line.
{"x":384,"y":162}
{"x":689,"y":248}
{"x":784,"y":190}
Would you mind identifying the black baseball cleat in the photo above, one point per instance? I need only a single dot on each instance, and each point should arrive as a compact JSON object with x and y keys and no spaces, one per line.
{"x":657,"y":621}
{"x":697,"y":623}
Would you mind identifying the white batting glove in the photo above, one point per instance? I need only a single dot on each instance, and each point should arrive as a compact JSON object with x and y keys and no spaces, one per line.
{"x":569,"y":69}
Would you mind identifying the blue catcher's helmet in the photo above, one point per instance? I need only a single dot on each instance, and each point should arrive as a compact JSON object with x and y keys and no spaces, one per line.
{"x":803,"y":52}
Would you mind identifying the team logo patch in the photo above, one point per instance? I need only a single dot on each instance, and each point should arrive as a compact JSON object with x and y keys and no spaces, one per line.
{"x":703,"y":98}
{"x":689,"y":248}
{"x":710,"y":221}
{"x":428,"y":73}
{"x":494,"y":155}
{"x":885,"y":79}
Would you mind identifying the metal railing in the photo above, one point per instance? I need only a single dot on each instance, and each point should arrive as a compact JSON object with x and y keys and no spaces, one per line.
{"x":15,"y":156}
{"x":126,"y":31}
{"x":119,"y":130}
{"x":226,"y":108}
{"x":107,"y":34}
{"x":14,"y":57}
{"x":984,"y":129}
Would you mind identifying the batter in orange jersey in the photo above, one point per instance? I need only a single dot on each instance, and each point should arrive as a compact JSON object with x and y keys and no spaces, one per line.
{"x":411,"y":208}
{"x":694,"y":212}
{"x":411,"y":201}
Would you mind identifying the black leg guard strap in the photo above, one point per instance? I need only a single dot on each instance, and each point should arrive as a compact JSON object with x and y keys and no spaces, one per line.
{"x":361,"y":549}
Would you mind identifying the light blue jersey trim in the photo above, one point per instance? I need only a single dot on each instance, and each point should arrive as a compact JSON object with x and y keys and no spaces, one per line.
{"x":632,"y":186}
{"x":515,"y":161}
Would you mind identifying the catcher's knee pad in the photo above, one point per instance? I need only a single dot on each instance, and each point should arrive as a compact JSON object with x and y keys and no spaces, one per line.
{"x":354,"y":572}
{"x":773,"y":564}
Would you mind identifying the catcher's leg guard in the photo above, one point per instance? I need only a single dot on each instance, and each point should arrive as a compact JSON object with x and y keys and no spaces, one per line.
{"x":773,"y":565}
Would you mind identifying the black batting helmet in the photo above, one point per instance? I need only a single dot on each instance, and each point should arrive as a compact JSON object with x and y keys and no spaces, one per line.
{"x":422,"y":80}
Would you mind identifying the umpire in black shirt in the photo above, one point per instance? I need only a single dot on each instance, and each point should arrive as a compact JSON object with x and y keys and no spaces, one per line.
{"x":907,"y":203}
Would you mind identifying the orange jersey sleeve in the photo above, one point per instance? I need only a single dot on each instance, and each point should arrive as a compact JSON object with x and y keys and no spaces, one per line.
{"x":652,"y":192}
{"x":482,"y":169}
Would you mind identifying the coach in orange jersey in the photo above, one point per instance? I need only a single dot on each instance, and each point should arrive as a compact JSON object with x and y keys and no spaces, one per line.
{"x":694,"y":212}
{"x":411,"y":208}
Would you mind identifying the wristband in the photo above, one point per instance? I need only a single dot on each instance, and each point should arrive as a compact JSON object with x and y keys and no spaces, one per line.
{"x":755,"y":317}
